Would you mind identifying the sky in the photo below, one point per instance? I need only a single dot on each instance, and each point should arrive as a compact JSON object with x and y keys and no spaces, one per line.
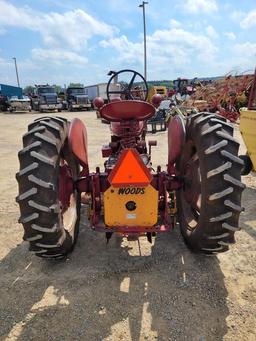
{"x":61,"y":41}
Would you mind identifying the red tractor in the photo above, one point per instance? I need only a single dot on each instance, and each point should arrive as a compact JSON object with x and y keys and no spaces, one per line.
{"x":129,"y":197}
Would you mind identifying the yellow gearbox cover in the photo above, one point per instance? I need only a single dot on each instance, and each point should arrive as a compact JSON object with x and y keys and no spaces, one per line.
{"x":248,"y":130}
{"x":130,"y":206}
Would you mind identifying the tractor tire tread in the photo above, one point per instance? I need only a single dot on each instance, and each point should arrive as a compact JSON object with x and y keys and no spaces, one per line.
{"x":247,"y":164}
{"x":38,"y":197}
{"x":220,"y":182}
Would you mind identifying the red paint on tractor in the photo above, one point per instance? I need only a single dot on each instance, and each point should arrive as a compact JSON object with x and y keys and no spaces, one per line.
{"x":77,"y":139}
{"x":128,"y":161}
{"x":127,"y":110}
{"x":156,"y":100}
{"x":98,"y":102}
{"x":126,"y":230}
{"x":106,"y":150}
{"x":126,"y":129}
{"x":176,"y":140}
{"x":66,"y":186}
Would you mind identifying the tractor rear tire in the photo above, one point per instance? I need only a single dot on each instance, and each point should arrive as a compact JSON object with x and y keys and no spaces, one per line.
{"x":209,"y":202}
{"x":248,"y":166}
{"x":51,"y":231}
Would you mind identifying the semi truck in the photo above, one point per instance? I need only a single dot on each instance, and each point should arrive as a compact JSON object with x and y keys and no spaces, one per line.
{"x":77,"y":98}
{"x":45,"y":98}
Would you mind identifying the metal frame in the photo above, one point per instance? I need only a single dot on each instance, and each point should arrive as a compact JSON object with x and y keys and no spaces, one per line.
{"x":95,"y":184}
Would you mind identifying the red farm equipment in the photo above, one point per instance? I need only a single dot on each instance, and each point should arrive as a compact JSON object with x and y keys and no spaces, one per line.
{"x":225,"y":96}
{"x":201,"y":184}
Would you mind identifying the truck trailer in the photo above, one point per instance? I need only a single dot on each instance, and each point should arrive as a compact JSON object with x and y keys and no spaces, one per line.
{"x":99,"y":90}
{"x":10,"y":91}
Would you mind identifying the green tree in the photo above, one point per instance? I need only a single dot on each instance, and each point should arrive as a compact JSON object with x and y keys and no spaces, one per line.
{"x":28,"y":89}
{"x":76,"y":85}
{"x":58,"y":88}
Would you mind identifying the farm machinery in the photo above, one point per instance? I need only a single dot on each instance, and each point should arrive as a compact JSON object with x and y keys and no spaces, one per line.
{"x":159,"y":121}
{"x":161,"y":90}
{"x":248,"y":130}
{"x":184,"y":86}
{"x":225,"y":96}
{"x":201,"y":185}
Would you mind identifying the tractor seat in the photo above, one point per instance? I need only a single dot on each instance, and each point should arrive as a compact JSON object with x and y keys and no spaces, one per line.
{"x":127,"y":110}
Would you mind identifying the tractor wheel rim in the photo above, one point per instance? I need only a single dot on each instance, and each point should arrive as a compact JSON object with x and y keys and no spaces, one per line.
{"x":69,"y":217}
{"x":68,"y":214}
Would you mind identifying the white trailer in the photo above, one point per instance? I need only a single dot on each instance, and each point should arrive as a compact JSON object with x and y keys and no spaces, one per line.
{"x":99,"y":90}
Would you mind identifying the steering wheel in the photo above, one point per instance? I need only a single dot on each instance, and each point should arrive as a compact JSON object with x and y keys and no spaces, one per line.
{"x":129,"y":91}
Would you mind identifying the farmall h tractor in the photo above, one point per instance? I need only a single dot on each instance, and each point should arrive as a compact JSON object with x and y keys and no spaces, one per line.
{"x":130,"y":197}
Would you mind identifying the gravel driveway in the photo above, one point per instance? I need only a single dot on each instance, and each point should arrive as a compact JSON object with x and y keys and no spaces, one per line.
{"x":126,"y":290}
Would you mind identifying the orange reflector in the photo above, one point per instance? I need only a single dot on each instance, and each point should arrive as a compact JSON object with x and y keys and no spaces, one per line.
{"x":130,"y":170}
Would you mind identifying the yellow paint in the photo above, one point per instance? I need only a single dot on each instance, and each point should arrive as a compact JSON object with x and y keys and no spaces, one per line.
{"x":116,"y":213}
{"x":162,"y":90}
{"x":248,"y":131}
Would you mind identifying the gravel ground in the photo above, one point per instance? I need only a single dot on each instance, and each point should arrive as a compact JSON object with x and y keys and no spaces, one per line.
{"x":126,"y":290}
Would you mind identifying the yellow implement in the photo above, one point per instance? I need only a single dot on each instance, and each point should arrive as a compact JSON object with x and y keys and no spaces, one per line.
{"x":162,"y":90}
{"x":248,"y":131}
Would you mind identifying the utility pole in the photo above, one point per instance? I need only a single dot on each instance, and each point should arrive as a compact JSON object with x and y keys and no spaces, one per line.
{"x":16,"y":68}
{"x":145,"y":42}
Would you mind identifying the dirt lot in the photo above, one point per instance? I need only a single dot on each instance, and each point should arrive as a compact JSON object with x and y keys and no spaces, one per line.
{"x":127,"y":290}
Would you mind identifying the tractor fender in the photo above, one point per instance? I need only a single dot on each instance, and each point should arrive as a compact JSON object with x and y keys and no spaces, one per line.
{"x":176,"y":140}
{"x":77,"y":140}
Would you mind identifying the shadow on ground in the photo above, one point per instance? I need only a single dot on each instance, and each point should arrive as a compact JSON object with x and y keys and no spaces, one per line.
{"x":120,"y":291}
{"x":247,"y":220}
